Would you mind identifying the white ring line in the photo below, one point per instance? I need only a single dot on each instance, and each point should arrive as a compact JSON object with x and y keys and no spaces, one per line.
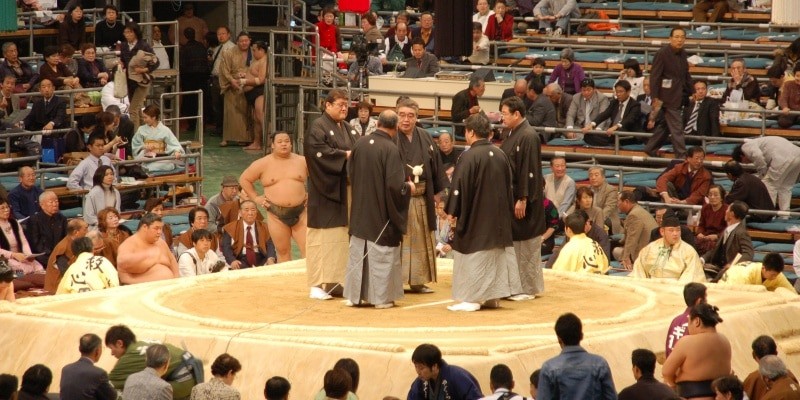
{"x":434,"y":303}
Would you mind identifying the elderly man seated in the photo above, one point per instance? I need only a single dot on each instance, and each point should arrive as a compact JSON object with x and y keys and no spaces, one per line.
{"x":669,"y":257}
{"x":768,"y":273}
{"x":24,"y":198}
{"x":244,"y":241}
{"x":580,"y":253}
{"x":89,"y":271}
{"x":143,"y":257}
{"x":198,"y":219}
{"x":46,"y":228}
{"x":687,"y":182}
{"x":732,"y":242}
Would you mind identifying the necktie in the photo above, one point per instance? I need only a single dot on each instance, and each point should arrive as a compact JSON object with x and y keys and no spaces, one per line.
{"x":99,"y":163}
{"x":46,"y":102}
{"x":618,"y":117}
{"x":691,"y":125}
{"x":587,"y":118}
{"x":249,"y":253}
{"x":647,"y":100}
{"x":725,"y":237}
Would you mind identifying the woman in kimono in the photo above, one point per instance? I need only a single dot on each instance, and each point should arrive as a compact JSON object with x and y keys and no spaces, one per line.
{"x":154,"y":139}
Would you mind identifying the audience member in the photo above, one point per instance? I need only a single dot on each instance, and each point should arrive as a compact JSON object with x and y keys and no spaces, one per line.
{"x":465,"y":103}
{"x":542,"y":112}
{"x":561,"y":101}
{"x":596,"y":233}
{"x":768,"y":273}
{"x":67,"y":52}
{"x":670,"y":84}
{"x":669,"y":257}
{"x":782,"y":386}
{"x":138,"y":67}
{"x":123,"y":127}
{"x":749,"y":189}
{"x":89,"y":272}
{"x":145,"y":258}
{"x":646,"y":386}
{"x":46,"y":228}
{"x":330,"y":37}
{"x":623,"y":113}
{"x":201,"y":258}
{"x":372,"y":34}
{"x":337,"y":385}
{"x":687,"y":182}
{"x":35,"y":383}
{"x":73,"y":30}
{"x":198,"y":219}
{"x":92,"y":72}
{"x":480,"y":46}
{"x":560,"y":187}
{"x":131,"y":358}
{"x":777,"y":162}
{"x":228,"y":193}
{"x":584,"y":201}
{"x":8,"y":383}
{"x":590,"y":375}
{"x":646,"y":106}
{"x":638,"y":224}
{"x":223,"y":371}
{"x":397,"y":45}
{"x":350,"y":367}
{"x":712,"y":219}
{"x":7,"y":102}
{"x":729,"y":387}
{"x":555,"y":12}
{"x":244,"y":242}
{"x":14,"y":246}
{"x":12,"y":65}
{"x":585,"y":108}
{"x":193,"y":74}
{"x":225,"y":44}
{"x":483,"y":13}
{"x":109,"y":227}
{"x":154,"y":139}
{"x":754,"y":386}
{"x":694,"y":293}
{"x":364,"y":124}
{"x":102,"y":195}
{"x":75,"y":140}
{"x":24,"y":198}
{"x":772,"y":91}
{"x":424,"y":31}
{"x":421,"y":64}
{"x":568,"y":73}
{"x":605,"y":198}
{"x":632,"y":72}
{"x":148,"y":384}
{"x":537,"y":71}
{"x":155,"y":205}
{"x":82,"y":177}
{"x":699,"y":357}
{"x":703,"y":119}
{"x":277,"y":388}
{"x":501,"y":383}
{"x":742,"y":86}
{"x":108,"y":32}
{"x":718,"y":7}
{"x":448,"y":152}
{"x":534,"y":380}
{"x":48,"y":112}
{"x":6,"y":283}
{"x":552,"y":223}
{"x":189,"y":20}
{"x":734,"y":241}
{"x":56,"y":71}
{"x":500,"y":27}
{"x":235,"y":62}
{"x":580,"y":253}
{"x":520,"y":89}
{"x":62,"y":256}
{"x":434,"y":375}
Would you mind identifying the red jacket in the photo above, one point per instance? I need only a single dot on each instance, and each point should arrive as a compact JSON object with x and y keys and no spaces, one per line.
{"x":505,"y":31}
{"x":678,"y":176}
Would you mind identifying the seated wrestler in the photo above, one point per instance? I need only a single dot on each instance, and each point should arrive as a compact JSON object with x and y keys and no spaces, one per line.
{"x":669,"y":257}
{"x":145,"y":258}
{"x":580,"y":253}
{"x":768,"y":273}
{"x":62,"y":256}
{"x":198,"y":219}
{"x":700,"y":357}
{"x":244,"y":241}
{"x":283,"y":176}
{"x":89,"y":272}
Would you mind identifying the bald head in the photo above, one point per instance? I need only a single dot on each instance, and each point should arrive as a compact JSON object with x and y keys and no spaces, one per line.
{"x":387,"y":122}
{"x":520,"y":88}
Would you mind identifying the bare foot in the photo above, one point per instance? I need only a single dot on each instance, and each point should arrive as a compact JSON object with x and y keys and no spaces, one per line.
{"x":253,"y":146}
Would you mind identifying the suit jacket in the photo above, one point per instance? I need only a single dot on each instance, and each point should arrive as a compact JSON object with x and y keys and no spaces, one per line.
{"x":606,"y":198}
{"x":739,"y":242}
{"x":542,"y":113}
{"x":707,"y":117}
{"x":630,"y":121}
{"x":577,"y":109}
{"x":753,"y":192}
{"x":638,"y":225}
{"x":82,"y":380}
{"x":562,"y":109}
{"x":427,"y":66}
{"x":459,"y":111}
{"x":233,"y":242}
{"x":147,"y":385}
{"x":41,"y":115}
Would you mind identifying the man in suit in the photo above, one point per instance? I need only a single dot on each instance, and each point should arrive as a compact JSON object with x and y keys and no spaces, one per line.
{"x":734,"y":240}
{"x":520,"y":90}
{"x":687,"y":182}
{"x":465,"y":103}
{"x":148,"y":384}
{"x":605,"y":198}
{"x":82,"y":380}
{"x":585,"y":108}
{"x":244,"y":241}
{"x":646,"y":386}
{"x":123,"y":127}
{"x":421,"y":64}
{"x":623,"y":112}
{"x":561,"y":101}
{"x":638,"y":225}
{"x":702,"y":116}
{"x":48,"y":112}
{"x":748,"y":189}
{"x":542,"y":112}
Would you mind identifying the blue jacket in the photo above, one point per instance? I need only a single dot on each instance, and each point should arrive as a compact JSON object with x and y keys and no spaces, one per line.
{"x":576,"y":374}
{"x":453,"y":382}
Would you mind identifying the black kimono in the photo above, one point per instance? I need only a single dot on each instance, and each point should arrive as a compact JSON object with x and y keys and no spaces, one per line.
{"x":326,"y":145}
{"x":481,"y":199}
{"x":523,"y":149}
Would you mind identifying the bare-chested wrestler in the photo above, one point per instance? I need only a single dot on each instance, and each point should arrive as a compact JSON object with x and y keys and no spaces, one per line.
{"x":254,"y":91}
{"x":283,"y":176}
{"x":700,"y":357}
{"x":143,"y":257}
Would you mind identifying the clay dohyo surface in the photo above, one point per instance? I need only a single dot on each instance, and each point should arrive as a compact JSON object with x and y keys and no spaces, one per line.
{"x":264,"y":317}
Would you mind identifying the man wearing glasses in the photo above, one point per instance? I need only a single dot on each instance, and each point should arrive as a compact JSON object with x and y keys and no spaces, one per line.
{"x":327,"y":146}
{"x":670,"y":87}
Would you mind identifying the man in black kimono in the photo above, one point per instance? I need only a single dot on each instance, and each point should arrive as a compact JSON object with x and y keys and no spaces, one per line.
{"x":418,"y":251}
{"x":524,"y":152}
{"x":328,"y":142}
{"x":378,"y":220}
{"x":481,"y":199}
